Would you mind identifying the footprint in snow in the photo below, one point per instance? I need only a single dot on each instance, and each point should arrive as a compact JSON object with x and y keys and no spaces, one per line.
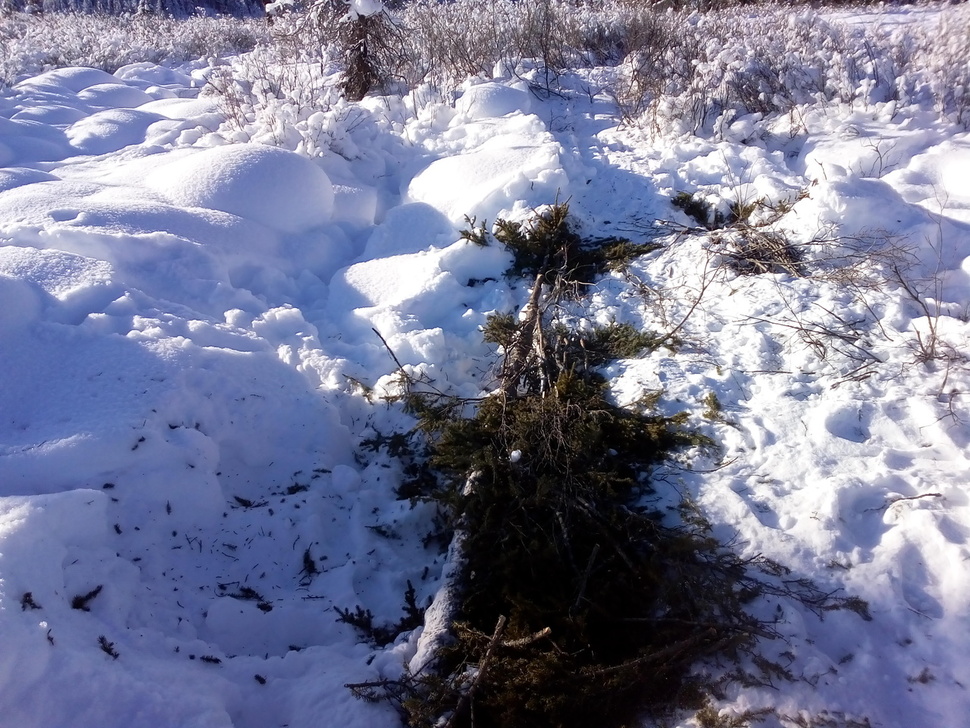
{"x":850,"y":423}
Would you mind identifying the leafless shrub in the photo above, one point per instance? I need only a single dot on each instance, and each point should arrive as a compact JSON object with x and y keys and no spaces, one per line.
{"x":749,"y":251}
{"x":32,"y":43}
{"x":274,"y":88}
{"x":657,"y":62}
{"x":915,"y":62}
{"x":720,"y":66}
{"x":447,"y":43}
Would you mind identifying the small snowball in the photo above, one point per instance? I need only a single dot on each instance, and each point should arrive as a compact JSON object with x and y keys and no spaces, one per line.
{"x":365,"y":8}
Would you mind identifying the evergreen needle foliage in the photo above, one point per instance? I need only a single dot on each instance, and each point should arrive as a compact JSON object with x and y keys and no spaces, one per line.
{"x":578,"y":605}
{"x":603,"y":608}
{"x":699,"y":210}
{"x":555,"y":540}
{"x":547,"y":245}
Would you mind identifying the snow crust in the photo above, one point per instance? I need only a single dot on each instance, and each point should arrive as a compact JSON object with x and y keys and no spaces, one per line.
{"x":192,"y":384}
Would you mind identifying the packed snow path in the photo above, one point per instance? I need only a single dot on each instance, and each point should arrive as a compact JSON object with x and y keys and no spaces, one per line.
{"x":186,"y":347}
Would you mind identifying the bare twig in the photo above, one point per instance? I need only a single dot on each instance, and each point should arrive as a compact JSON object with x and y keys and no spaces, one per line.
{"x":890,"y":502}
{"x":466,"y":699}
{"x":389,"y":350}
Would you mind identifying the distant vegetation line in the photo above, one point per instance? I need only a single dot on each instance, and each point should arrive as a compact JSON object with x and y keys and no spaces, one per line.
{"x":255,"y":8}
{"x":172,"y":8}
{"x":668,"y":70}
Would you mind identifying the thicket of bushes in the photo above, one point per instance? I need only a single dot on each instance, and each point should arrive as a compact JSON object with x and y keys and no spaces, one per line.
{"x":31,"y":44}
{"x":674,"y":68}
{"x":170,"y":8}
{"x":688,"y":69}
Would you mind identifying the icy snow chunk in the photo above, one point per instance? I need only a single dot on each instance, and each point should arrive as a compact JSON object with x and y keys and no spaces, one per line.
{"x":282,"y":323}
{"x":279,"y":189}
{"x":489,"y":100}
{"x":114,"y":95}
{"x":388,"y":281}
{"x":468,"y":261}
{"x":110,"y":130}
{"x":400,"y":278}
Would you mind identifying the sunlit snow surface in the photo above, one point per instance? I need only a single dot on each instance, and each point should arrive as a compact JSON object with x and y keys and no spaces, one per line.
{"x":186,"y":331}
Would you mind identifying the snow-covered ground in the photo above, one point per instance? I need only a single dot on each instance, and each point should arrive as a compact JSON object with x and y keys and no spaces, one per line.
{"x":190,"y":375}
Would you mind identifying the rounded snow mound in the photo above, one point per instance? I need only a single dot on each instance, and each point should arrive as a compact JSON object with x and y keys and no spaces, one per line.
{"x":72,"y":78}
{"x":12,"y":177}
{"x":114,"y":95}
{"x":490,"y":100}
{"x":110,"y":130}
{"x":277,"y":188}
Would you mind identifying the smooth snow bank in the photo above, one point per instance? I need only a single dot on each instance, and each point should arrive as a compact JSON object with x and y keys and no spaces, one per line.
{"x":115,"y":95}
{"x":506,"y":167}
{"x":490,"y":99}
{"x":159,"y":387}
{"x":279,"y":189}
{"x":24,"y":141}
{"x":72,"y":79}
{"x":16,"y":176}
{"x":110,"y":130}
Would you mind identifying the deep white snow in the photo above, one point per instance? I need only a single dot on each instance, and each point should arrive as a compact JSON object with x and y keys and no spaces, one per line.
{"x":189,"y":376}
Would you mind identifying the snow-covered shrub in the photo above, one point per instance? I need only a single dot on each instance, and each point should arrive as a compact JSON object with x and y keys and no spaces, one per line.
{"x":289,"y":93}
{"x":677,"y":70}
{"x":367,"y":39}
{"x":30,"y":44}
{"x":289,"y":102}
{"x":447,"y":43}
{"x":722,"y":65}
{"x":935,"y":61}
{"x":577,"y":603}
{"x":176,"y":8}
